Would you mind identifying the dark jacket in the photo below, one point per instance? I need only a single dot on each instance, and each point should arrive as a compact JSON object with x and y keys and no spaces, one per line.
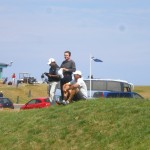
{"x":53,"y":73}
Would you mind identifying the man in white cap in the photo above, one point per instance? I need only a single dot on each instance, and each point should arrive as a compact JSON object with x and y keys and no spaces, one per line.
{"x":53,"y":78}
{"x":75,"y":90}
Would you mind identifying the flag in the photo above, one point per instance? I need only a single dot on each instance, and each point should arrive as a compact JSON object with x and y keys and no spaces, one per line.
{"x":96,"y":60}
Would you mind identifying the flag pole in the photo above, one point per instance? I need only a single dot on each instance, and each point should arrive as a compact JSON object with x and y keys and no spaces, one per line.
{"x":90,"y":74}
{"x":96,"y":60}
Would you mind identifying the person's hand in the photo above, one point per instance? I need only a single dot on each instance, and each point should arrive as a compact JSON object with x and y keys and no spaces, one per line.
{"x":46,"y":73}
{"x":64,"y":69}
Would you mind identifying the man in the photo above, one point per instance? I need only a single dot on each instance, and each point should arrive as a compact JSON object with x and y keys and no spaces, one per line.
{"x":53,"y":78}
{"x":1,"y":93}
{"x":75,"y":90}
{"x":13,"y":78}
{"x":68,"y":67}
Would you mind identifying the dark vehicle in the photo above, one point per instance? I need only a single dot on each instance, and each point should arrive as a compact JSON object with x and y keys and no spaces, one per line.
{"x":6,"y":103}
{"x":109,"y":94}
{"x":41,"y":102}
{"x":124,"y":95}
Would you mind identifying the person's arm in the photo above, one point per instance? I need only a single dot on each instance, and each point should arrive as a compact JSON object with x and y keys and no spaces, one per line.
{"x":68,"y":87}
{"x":73,"y":67}
{"x":51,"y":75}
{"x":73,"y":86}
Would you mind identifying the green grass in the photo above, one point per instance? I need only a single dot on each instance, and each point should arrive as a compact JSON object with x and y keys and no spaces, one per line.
{"x":96,"y":124}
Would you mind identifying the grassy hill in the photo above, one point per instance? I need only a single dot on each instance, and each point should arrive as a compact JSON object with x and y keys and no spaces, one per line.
{"x":94,"y":124}
{"x":100,"y":124}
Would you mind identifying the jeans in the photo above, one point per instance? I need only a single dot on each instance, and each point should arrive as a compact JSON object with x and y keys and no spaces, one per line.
{"x":52,"y":89}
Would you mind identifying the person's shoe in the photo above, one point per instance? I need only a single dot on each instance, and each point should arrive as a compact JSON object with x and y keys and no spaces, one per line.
{"x":64,"y":102}
{"x":67,"y":102}
{"x":58,"y":102}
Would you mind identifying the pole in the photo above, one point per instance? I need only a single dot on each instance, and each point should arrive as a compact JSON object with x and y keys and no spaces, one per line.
{"x":90,"y":74}
{"x":17,"y":100}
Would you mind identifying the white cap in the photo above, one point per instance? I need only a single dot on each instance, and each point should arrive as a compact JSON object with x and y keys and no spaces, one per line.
{"x":78,"y":72}
{"x":50,"y":61}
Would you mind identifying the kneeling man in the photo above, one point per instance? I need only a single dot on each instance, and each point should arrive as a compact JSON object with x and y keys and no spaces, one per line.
{"x":75,"y":89}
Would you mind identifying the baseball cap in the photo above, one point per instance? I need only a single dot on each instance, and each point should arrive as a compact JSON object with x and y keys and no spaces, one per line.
{"x":78,"y":72}
{"x":51,"y":60}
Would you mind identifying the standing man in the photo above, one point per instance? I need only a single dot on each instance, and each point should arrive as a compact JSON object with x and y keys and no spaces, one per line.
{"x":68,"y":67}
{"x":1,"y":93}
{"x":42,"y":77}
{"x":53,"y":78}
{"x":13,"y":78}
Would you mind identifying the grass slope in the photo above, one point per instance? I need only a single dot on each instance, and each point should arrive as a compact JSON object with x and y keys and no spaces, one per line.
{"x":94,"y":124}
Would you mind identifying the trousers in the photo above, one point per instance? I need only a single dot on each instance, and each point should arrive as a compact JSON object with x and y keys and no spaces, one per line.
{"x":52,"y":89}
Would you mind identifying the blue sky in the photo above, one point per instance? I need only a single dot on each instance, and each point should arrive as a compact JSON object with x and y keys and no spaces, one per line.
{"x":117,"y":32}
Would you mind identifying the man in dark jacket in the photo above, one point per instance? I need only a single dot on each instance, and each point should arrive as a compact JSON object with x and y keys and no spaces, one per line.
{"x":53,"y":78}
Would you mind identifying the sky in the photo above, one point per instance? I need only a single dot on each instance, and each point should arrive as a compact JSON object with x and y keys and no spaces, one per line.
{"x":115,"y":31}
